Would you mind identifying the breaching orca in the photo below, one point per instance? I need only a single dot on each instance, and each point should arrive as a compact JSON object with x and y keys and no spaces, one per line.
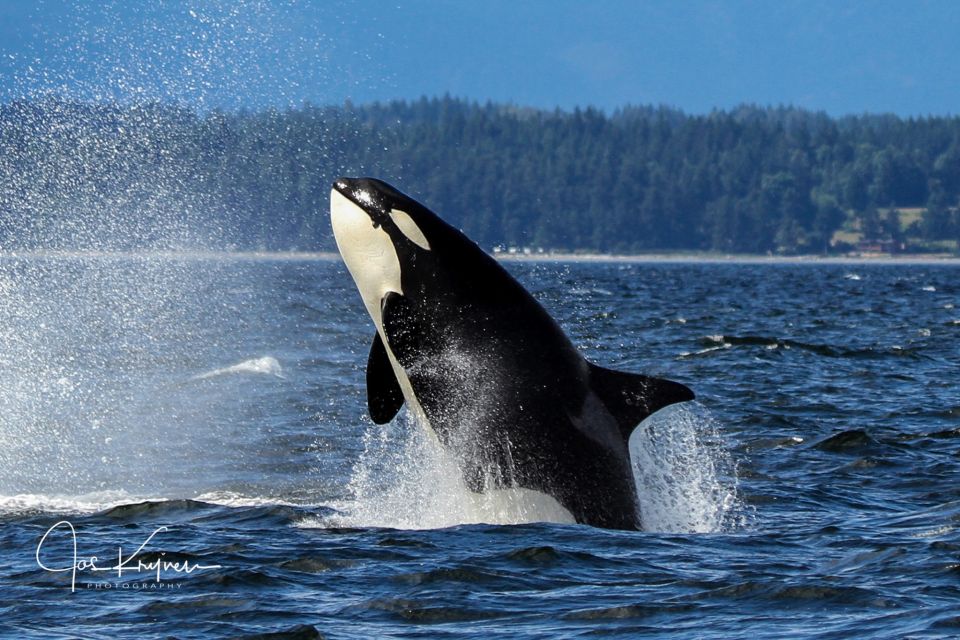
{"x":474,"y":355}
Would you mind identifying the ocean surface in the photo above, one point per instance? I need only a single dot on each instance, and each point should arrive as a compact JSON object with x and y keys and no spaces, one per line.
{"x":209,"y":414}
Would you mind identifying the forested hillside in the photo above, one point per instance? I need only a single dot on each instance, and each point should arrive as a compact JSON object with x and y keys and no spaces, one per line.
{"x":748,"y":180}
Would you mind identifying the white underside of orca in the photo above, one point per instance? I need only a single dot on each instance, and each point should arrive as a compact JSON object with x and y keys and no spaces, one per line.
{"x":515,"y":506}
{"x":372,"y":261}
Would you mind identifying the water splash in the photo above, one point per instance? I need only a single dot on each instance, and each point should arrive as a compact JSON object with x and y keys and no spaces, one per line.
{"x":686,"y":478}
{"x":405,"y":479}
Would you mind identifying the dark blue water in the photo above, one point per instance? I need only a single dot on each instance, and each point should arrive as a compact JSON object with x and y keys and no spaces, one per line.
{"x":814,"y":490}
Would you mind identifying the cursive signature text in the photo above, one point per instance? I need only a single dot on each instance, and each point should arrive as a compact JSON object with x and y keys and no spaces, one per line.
{"x":124,"y":564}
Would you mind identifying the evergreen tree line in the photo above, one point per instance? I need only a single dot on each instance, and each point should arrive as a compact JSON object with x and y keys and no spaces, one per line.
{"x":79,"y":175}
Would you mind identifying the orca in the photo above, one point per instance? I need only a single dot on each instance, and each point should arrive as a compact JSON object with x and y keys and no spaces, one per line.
{"x":480,"y":361}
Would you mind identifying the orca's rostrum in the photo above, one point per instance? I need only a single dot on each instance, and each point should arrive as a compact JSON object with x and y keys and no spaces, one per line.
{"x":475,"y":356}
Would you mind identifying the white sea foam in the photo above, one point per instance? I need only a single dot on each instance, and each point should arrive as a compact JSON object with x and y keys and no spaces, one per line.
{"x":233,"y":499}
{"x":267,"y":365}
{"x":61,"y":503}
{"x":26,"y":503}
{"x":693,"y":354}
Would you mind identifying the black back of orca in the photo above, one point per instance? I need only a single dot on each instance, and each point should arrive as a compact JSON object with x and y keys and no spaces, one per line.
{"x":497,"y":379}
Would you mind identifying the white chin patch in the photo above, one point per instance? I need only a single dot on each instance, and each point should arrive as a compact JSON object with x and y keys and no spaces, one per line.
{"x":372,"y":261}
{"x":368,"y":253}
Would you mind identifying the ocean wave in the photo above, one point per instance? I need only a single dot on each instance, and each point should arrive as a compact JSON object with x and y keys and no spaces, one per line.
{"x":27,"y":503}
{"x":851,"y":441}
{"x":715,"y":342}
{"x":232,"y":499}
{"x":121,"y":504}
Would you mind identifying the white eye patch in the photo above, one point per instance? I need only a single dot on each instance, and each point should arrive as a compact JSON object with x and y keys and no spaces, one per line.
{"x":409,"y":228}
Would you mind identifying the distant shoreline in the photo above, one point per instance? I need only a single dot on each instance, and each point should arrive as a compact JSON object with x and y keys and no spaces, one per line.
{"x":733,"y":258}
{"x":653,"y":258}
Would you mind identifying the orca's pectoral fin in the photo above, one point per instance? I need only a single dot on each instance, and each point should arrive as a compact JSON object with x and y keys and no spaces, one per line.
{"x":384,"y":397}
{"x":630,"y":397}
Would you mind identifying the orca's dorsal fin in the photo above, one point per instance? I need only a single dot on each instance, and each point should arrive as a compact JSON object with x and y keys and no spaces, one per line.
{"x":384,"y":397}
{"x":631,"y":397}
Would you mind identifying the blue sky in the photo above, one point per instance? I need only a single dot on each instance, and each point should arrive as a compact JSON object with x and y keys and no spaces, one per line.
{"x":841,"y":57}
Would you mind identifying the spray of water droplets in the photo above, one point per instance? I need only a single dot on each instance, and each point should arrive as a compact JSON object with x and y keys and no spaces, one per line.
{"x":110,"y":126}
{"x":686,"y":481}
{"x":686,"y":478}
{"x":204,"y":54}
{"x":406,"y":479}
